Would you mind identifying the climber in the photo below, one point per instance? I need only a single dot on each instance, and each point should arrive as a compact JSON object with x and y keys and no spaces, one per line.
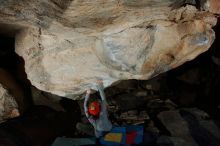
{"x":96,"y":112}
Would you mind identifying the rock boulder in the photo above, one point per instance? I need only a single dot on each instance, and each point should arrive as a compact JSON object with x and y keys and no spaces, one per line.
{"x":70,"y":45}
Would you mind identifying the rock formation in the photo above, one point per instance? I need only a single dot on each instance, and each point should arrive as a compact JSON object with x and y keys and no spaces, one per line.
{"x":69,"y":45}
{"x":8,"y":105}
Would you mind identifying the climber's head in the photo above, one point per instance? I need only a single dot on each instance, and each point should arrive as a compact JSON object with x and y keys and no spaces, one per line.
{"x":94,"y":108}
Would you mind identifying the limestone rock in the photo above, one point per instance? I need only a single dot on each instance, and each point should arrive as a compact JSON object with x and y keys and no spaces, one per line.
{"x":214,"y":6}
{"x":15,"y":89}
{"x":8,"y":105}
{"x":174,"y":141}
{"x":46,"y":99}
{"x":177,"y":126}
{"x":70,"y":45}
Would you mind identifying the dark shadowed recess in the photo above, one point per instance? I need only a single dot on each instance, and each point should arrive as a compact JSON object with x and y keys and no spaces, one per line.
{"x":204,"y":86}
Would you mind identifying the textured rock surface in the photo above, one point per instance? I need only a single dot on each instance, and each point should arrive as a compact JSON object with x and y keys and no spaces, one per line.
{"x":42,"y":98}
{"x":177,"y":126}
{"x":15,"y":89}
{"x":8,"y":105}
{"x":70,"y":45}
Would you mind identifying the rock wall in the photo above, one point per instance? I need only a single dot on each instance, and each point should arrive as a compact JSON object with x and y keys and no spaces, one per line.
{"x":70,"y":45}
{"x":8,"y":105}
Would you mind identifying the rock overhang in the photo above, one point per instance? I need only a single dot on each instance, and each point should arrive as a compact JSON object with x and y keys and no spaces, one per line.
{"x":69,"y":47}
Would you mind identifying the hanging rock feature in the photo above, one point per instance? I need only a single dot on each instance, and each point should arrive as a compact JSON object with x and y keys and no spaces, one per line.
{"x":70,"y":45}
